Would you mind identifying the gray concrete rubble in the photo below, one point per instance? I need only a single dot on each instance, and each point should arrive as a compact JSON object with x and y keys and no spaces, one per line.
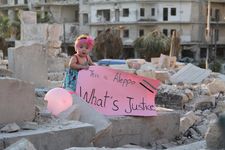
{"x":90,"y":115}
{"x":17,"y":101}
{"x":22,"y":144}
{"x":214,"y":137}
{"x":140,"y":130}
{"x":29,"y":63}
{"x":54,"y":136}
{"x":193,"y":100}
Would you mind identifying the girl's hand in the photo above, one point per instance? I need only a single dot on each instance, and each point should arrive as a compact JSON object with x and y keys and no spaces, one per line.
{"x":85,"y":66}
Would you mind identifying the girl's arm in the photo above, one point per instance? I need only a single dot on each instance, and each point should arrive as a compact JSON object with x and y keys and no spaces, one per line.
{"x":73,"y":64}
{"x":90,"y":62}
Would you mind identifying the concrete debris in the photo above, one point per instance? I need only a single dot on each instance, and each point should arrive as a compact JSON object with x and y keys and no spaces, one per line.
{"x":17,"y":101}
{"x":9,"y":128}
{"x":29,"y":125}
{"x":216,"y":86}
{"x":214,"y":137}
{"x":220,"y":107}
{"x":187,"y":121}
{"x":5,"y":72}
{"x":90,"y":115}
{"x":196,"y":96}
{"x":54,"y":136}
{"x":72,"y":113}
{"x":190,"y":74}
{"x":204,"y":102}
{"x":22,"y":144}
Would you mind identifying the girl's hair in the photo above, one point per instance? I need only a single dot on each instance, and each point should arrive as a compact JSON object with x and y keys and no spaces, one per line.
{"x":84,"y":39}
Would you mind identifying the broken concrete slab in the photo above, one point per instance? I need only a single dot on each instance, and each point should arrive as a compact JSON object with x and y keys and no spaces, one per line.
{"x":216,"y":86}
{"x":124,"y":68}
{"x":29,"y":63}
{"x":22,"y":144}
{"x":9,"y":128}
{"x":204,"y":102}
{"x":5,"y":72}
{"x":187,"y":121}
{"x":140,"y":130}
{"x":170,"y":100}
{"x":72,"y":113}
{"x":56,"y":136}
{"x":17,"y":101}
{"x":214,"y":138}
{"x":162,"y":76}
{"x":190,"y":74}
{"x":90,"y":115}
{"x":201,"y":145}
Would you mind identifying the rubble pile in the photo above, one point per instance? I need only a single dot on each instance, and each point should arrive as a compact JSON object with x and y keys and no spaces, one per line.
{"x":191,"y":111}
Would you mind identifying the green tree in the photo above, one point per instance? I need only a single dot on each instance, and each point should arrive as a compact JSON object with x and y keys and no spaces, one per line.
{"x":9,"y":29}
{"x":152,"y":45}
{"x":108,"y":44}
{"x":4,"y":26}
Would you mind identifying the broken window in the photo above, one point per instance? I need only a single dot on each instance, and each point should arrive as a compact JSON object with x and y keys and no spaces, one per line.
{"x":25,"y":2}
{"x":216,"y":35}
{"x":85,"y":18}
{"x":165,"y":14}
{"x":153,"y":11}
{"x":217,"y":15}
{"x":125,"y":12}
{"x":142,"y":12}
{"x":117,"y":15}
{"x":126,"y":33}
{"x":141,"y":32}
{"x":173,"y":11}
{"x":76,"y":19}
{"x":103,"y":15}
{"x":203,"y":52}
{"x":165,"y":32}
{"x":16,"y":2}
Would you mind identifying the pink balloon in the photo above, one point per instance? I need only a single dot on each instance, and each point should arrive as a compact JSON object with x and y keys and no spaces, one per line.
{"x":59,"y":100}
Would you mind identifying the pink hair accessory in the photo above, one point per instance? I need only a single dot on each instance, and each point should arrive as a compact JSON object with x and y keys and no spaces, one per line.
{"x":84,"y":39}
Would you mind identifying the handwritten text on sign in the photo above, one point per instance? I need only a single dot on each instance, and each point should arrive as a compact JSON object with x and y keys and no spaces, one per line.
{"x":114,"y":92}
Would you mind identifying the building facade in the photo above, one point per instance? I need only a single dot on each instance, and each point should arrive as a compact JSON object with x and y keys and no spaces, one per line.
{"x":134,"y":18}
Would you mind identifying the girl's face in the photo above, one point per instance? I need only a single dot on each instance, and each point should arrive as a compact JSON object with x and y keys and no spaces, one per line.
{"x":82,"y":49}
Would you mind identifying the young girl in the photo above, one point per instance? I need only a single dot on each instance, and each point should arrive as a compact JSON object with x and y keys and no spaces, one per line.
{"x":80,"y":60}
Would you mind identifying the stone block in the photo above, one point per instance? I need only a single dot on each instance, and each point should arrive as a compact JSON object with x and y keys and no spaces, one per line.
{"x":90,"y":115}
{"x":36,"y":32}
{"x":123,"y":67}
{"x":28,"y":17}
{"x":29,"y":63}
{"x":170,"y":100}
{"x":204,"y":102}
{"x":5,"y":73}
{"x":22,"y":144}
{"x":162,"y":76}
{"x":72,"y":113}
{"x":216,"y":86}
{"x":58,"y":136}
{"x":146,"y":73}
{"x":140,"y":130}
{"x":187,"y":121}
{"x":214,"y":138}
{"x":17,"y":101}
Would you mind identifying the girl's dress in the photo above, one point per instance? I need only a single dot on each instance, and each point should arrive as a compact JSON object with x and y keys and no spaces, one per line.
{"x":70,"y":80}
